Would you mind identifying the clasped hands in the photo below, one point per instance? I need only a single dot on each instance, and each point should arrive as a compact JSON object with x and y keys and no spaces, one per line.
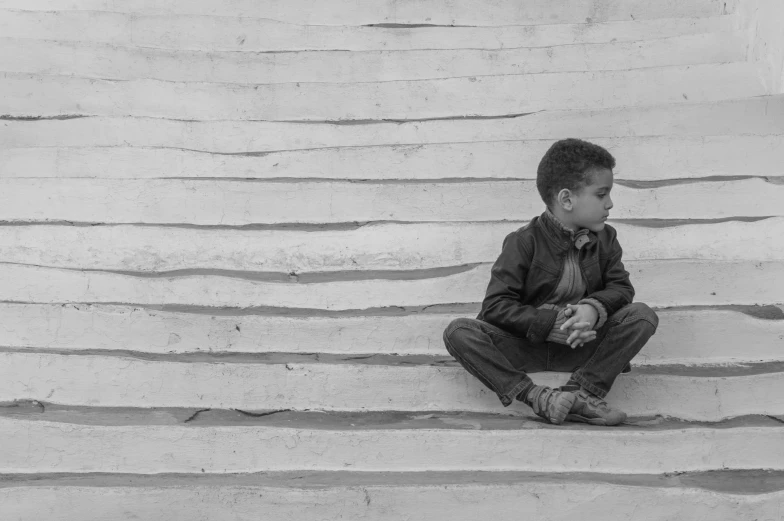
{"x":581,"y":319}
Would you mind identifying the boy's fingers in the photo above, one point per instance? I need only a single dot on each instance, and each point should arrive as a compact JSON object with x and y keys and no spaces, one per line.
{"x":579,"y":337}
{"x":568,"y":323}
{"x":573,"y":324}
{"x":578,"y":334}
{"x":583,"y":336}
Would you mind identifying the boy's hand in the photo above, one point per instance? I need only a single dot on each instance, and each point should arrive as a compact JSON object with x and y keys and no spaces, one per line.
{"x":579,"y":336}
{"x":581,"y":321}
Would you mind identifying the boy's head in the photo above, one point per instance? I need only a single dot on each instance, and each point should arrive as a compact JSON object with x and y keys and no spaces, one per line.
{"x":574,"y":179}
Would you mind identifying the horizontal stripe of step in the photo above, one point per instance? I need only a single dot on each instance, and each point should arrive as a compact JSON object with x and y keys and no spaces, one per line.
{"x":386,"y":495}
{"x":39,"y":446}
{"x":441,"y":12}
{"x":749,"y":482}
{"x":311,"y":255}
{"x":34,"y":95}
{"x":317,"y":420}
{"x":758,"y":116}
{"x":644,"y":158}
{"x":658,"y":283}
{"x":181,"y":32}
{"x":707,"y":367}
{"x":236,"y":202}
{"x":123,"y":381}
{"x":684,"y":336}
{"x":102,"y":61}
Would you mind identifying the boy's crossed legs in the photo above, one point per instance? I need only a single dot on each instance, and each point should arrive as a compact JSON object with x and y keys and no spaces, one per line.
{"x":500,"y":361}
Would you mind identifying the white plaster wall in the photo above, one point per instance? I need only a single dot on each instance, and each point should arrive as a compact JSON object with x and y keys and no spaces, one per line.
{"x":764,"y":21}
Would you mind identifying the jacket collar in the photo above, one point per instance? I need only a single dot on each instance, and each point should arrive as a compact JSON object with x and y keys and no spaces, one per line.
{"x":561,"y":236}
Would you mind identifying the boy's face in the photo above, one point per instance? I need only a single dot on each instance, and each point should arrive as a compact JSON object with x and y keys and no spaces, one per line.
{"x":591,"y":206}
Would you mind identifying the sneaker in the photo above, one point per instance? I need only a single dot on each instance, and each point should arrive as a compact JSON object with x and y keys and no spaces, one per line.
{"x":591,"y":409}
{"x":551,"y":404}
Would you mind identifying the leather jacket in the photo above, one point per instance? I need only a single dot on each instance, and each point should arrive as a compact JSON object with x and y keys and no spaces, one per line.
{"x":530,"y":266}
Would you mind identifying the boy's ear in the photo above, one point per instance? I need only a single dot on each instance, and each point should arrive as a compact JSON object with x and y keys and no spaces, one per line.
{"x":564,"y":199}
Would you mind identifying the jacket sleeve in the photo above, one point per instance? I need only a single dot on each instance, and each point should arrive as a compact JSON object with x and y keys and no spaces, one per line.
{"x":503,"y":306}
{"x":618,"y":290}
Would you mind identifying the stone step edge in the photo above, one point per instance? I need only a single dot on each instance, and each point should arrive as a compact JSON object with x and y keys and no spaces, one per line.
{"x":707,"y":369}
{"x":758,"y":311}
{"x":33,"y":410}
{"x":43,"y":446}
{"x":739,"y":482}
{"x":549,"y":500}
{"x":439,"y":122}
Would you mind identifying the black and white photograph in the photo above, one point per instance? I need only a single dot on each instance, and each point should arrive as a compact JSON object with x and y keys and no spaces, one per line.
{"x":391,"y":260}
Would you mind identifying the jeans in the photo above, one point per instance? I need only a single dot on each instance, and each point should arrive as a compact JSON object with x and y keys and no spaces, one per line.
{"x":501,"y":361}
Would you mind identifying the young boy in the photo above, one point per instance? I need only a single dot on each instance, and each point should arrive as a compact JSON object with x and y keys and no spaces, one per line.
{"x":559,"y":298}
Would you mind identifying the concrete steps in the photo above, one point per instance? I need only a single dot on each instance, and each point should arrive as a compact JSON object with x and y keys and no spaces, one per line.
{"x":239,"y":203}
{"x":690,"y":283}
{"x":26,"y":95}
{"x":393,"y":495}
{"x":686,"y":336}
{"x":362,"y":382}
{"x":186,"y":463}
{"x":760,"y":116}
{"x":299,"y":255}
{"x":659,"y":157}
{"x":144,"y":441}
{"x":232,"y":233}
{"x":110,"y":62}
{"x":243,"y":34}
{"x":441,"y":12}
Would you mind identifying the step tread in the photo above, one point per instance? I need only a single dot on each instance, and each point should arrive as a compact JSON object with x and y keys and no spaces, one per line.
{"x":741,"y":482}
{"x":239,"y":202}
{"x":32,"y":410}
{"x":706,"y":369}
{"x":685,"y":335}
{"x":268,"y":36}
{"x":662,"y":283}
{"x":25,"y":95}
{"x":441,"y":12}
{"x":108,"y":62}
{"x":118,"y":381}
{"x":56,"y":446}
{"x":351,"y":254}
{"x":762,"y":115}
{"x":645,"y":159}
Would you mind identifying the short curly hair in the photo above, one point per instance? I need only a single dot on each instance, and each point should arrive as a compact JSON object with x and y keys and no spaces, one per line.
{"x":565,"y":165}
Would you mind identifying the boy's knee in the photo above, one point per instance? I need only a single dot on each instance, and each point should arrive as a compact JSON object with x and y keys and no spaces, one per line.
{"x":455,"y":331}
{"x":456,"y":325}
{"x":641,"y":311}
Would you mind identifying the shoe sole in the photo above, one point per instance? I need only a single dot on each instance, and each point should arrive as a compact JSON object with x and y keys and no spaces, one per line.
{"x":594,"y":421}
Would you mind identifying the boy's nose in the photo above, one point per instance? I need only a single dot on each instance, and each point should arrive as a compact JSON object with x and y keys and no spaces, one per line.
{"x":609,"y":204}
